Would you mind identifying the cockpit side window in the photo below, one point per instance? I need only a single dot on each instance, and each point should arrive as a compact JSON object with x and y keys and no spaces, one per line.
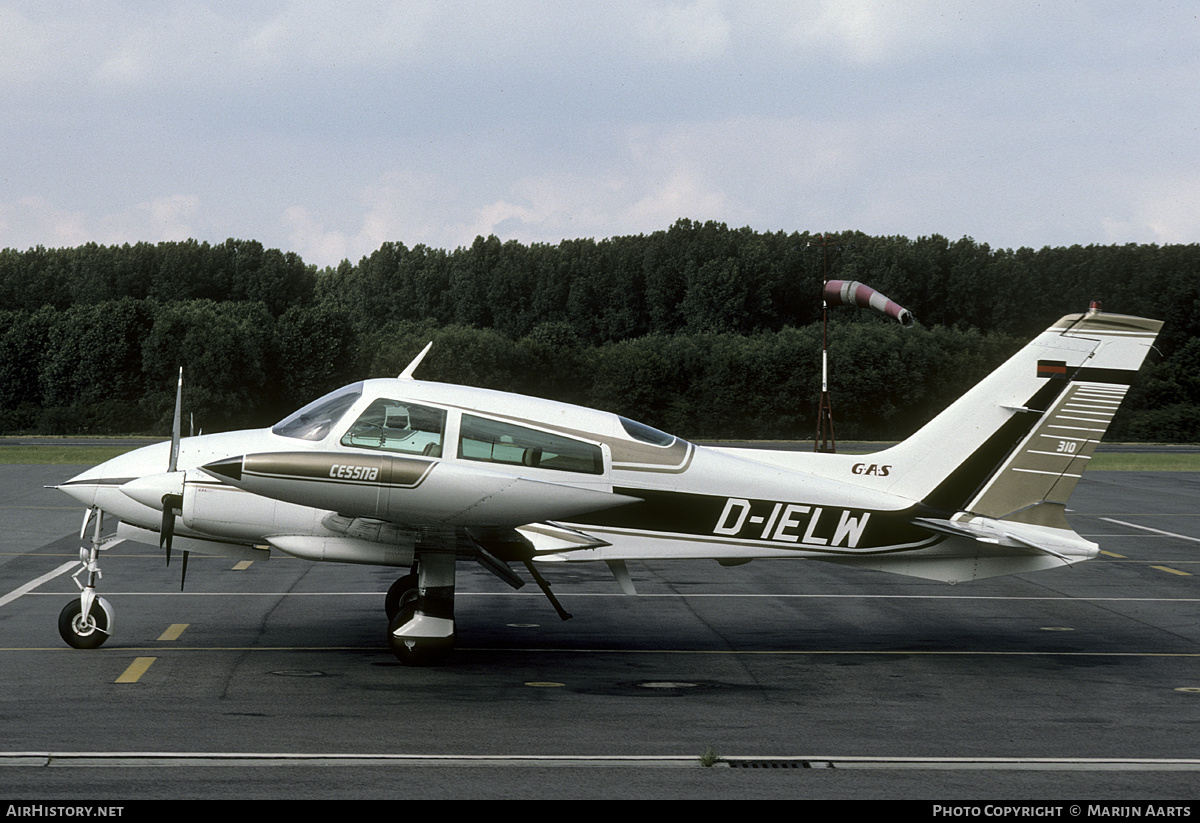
{"x":315,"y":420}
{"x":399,"y":426}
{"x":492,"y":441}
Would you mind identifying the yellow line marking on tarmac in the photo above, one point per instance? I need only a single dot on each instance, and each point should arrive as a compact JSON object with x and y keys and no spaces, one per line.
{"x":173,"y":631}
{"x":136,"y":669}
{"x":242,"y":565}
{"x":1172,"y":571}
{"x":1112,"y":554}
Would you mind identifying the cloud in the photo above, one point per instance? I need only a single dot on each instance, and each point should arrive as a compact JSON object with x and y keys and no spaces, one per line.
{"x":308,"y":237}
{"x":168,"y":217}
{"x":1164,"y":211}
{"x":682,"y":32}
{"x":873,"y":31}
{"x":36,"y":221}
{"x":329,"y":128}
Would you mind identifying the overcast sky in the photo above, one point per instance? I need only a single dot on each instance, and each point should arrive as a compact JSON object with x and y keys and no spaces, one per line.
{"x":329,"y":128}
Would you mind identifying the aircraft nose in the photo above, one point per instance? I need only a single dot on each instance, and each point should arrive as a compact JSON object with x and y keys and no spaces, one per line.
{"x":83,"y":486}
{"x":98,"y":485}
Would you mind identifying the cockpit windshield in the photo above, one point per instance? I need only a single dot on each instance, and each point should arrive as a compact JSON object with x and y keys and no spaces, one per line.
{"x":315,"y":420}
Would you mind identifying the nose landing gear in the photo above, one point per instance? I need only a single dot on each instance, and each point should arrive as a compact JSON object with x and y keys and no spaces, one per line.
{"x":86,"y":622}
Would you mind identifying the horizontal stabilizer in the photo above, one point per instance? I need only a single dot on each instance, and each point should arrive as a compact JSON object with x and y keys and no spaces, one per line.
{"x":985,"y":530}
{"x":982,"y":547}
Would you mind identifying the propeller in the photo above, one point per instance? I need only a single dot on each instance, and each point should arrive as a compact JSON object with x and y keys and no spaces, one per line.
{"x":172,"y":504}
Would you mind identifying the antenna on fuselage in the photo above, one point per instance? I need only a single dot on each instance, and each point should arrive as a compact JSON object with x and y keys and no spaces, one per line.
{"x":407,"y":374}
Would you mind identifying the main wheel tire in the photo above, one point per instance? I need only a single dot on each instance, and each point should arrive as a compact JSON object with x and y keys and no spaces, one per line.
{"x":88,"y":632}
{"x":417,"y":651}
{"x":401,"y":593}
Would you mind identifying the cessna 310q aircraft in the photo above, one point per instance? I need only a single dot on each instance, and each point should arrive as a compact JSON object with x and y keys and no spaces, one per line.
{"x":419,"y":475}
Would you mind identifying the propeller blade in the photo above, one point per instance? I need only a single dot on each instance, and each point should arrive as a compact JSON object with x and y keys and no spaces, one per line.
{"x":173,"y":464}
{"x":167,"y":531}
{"x":183,"y":576}
{"x":171,"y":503}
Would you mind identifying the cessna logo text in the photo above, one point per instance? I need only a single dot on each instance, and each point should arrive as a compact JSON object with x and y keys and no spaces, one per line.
{"x":872,"y":469}
{"x":791,"y":523}
{"x":346,"y":472}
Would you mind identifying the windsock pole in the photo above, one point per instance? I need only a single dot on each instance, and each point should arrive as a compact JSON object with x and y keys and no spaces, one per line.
{"x":825,"y":441}
{"x":844,"y":293}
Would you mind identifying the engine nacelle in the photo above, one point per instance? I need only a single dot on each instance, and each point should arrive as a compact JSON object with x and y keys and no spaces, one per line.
{"x":216,"y":509}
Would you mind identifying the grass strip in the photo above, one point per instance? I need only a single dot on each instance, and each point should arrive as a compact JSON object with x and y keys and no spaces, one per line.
{"x":60,"y":455}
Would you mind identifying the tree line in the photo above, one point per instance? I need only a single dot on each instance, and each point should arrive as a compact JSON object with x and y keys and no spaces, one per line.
{"x":699,"y":329}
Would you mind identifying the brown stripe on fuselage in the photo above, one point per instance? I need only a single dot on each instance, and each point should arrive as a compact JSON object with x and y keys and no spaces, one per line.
{"x":369,"y":469}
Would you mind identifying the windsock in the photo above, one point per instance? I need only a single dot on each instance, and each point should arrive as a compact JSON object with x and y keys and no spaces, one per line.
{"x":853,"y":293}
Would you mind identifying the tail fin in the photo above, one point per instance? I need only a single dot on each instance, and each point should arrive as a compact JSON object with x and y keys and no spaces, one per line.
{"x":1014,"y":446}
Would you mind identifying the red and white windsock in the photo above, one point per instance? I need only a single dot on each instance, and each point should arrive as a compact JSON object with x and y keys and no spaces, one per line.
{"x":853,"y":293}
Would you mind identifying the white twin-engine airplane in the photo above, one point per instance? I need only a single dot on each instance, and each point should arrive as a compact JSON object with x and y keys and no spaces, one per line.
{"x":419,"y":475}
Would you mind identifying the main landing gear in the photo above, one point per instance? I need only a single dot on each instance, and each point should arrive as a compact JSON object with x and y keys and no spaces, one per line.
{"x":420,"y":605}
{"x":87,"y":621}
{"x":420,"y":610}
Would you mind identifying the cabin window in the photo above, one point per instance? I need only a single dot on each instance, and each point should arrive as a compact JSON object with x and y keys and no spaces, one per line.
{"x":315,"y":420}
{"x":492,"y":441}
{"x":646,"y":434}
{"x":399,"y":426}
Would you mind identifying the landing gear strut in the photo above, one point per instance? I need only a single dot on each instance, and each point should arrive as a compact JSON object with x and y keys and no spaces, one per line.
{"x":86,"y":622}
{"x":422,"y":631}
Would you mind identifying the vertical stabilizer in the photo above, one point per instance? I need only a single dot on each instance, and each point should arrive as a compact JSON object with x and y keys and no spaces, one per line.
{"x":1014,"y":446}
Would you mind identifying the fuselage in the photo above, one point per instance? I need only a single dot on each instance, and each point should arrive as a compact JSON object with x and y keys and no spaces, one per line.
{"x":434,"y":456}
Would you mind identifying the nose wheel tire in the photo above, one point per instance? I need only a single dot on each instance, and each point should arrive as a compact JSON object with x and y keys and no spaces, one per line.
{"x":85,"y":631}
